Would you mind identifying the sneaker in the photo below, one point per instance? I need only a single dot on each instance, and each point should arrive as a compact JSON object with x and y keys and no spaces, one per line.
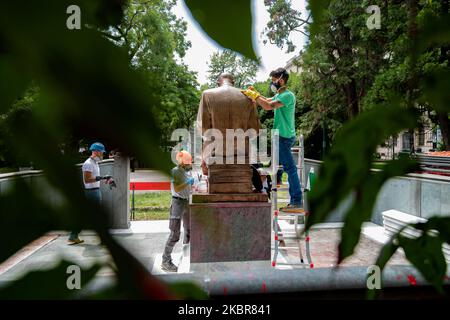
{"x":169,"y":266}
{"x":74,"y":241}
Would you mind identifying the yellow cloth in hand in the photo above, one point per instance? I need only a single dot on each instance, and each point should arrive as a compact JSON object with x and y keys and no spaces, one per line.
{"x":251,"y":94}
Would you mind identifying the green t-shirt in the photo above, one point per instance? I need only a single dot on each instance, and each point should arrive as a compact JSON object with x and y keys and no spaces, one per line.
{"x":285,"y":116}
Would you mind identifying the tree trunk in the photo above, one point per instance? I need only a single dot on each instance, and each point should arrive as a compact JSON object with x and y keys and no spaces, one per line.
{"x":352,"y":99}
{"x":350,"y":88}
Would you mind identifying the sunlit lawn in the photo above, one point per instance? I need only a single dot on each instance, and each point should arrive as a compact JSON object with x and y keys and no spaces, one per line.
{"x":152,"y":205}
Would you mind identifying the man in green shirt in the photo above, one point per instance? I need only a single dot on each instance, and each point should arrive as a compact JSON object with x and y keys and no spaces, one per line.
{"x":283,"y":104}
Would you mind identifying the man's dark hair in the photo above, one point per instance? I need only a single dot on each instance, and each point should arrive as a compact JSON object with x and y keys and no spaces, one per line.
{"x":280,"y":72}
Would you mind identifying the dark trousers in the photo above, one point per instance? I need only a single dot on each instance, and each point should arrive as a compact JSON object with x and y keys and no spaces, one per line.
{"x":93,"y":195}
{"x":179,"y":211}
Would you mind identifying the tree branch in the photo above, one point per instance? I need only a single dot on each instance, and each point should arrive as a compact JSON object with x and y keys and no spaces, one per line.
{"x":131,"y":22}
{"x":110,"y":36}
{"x":302,"y":20}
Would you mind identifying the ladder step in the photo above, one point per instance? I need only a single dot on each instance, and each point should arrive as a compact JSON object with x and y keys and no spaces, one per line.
{"x":299,"y":211}
{"x":289,"y":237}
{"x":293,"y":264}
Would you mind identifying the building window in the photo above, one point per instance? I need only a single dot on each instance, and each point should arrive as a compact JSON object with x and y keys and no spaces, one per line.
{"x":421,"y":136}
{"x":406,"y":141}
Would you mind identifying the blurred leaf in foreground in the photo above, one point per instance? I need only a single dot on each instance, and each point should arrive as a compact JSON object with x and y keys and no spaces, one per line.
{"x":227,"y":22}
{"x":347,"y":169}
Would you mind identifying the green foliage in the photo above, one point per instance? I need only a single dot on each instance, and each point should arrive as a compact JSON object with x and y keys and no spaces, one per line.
{"x":154,"y":37}
{"x":243,"y":69}
{"x":188,"y":290}
{"x":318,"y":9}
{"x":347,"y":168}
{"x":283,"y":21}
{"x":86,"y":88}
{"x":219,"y":20}
{"x":424,"y":252}
{"x":405,"y":57}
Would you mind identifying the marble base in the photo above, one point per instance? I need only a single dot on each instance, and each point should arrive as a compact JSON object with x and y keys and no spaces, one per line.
{"x":230,"y":231}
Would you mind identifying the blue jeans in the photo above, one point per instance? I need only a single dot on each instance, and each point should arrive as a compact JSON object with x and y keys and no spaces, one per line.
{"x":287,"y":161}
{"x":93,"y":195}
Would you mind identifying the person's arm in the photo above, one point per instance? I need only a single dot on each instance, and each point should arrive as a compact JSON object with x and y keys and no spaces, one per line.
{"x":180,"y":187}
{"x":265,"y":103}
{"x":89,"y":177}
{"x":268,"y":103}
{"x":179,"y":184}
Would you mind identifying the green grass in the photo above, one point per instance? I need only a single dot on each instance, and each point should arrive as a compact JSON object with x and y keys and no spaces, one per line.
{"x":153,"y":199}
{"x":152,"y":205}
{"x":151,"y":215}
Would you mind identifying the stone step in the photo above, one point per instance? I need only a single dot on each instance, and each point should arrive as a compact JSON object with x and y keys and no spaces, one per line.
{"x":394,"y":221}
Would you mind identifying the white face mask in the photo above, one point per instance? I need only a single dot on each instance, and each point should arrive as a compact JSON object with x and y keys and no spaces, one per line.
{"x":97,"y":159}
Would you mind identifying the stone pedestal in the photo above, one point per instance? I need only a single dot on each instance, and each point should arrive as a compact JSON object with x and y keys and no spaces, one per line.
{"x":230,"y":231}
{"x":117,"y":200}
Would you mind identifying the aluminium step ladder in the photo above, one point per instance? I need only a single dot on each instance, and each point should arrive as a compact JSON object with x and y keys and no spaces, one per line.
{"x":294,"y":215}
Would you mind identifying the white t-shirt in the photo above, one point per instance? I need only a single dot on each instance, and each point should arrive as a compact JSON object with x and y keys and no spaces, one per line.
{"x":92,"y":166}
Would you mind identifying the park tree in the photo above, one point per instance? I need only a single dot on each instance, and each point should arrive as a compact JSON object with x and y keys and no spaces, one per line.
{"x":336,"y":70}
{"x":155,"y":41}
{"x":150,"y":33}
{"x":243,"y":69}
{"x":351,"y":68}
{"x":398,"y":77}
{"x":284,"y":20}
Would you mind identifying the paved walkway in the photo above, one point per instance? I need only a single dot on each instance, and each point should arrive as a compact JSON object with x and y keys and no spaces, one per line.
{"x":146,"y":240}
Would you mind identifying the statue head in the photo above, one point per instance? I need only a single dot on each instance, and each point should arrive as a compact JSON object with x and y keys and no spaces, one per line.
{"x":225,"y":78}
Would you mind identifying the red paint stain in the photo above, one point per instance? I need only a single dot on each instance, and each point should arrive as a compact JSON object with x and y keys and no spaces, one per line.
{"x":264,"y":287}
{"x":412,"y":280}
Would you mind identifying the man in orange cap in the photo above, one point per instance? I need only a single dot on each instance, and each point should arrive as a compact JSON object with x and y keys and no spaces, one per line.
{"x":180,"y":187}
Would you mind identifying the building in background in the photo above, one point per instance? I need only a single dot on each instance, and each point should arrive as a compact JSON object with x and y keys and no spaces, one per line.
{"x":426,"y":139}
{"x":293,"y":64}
